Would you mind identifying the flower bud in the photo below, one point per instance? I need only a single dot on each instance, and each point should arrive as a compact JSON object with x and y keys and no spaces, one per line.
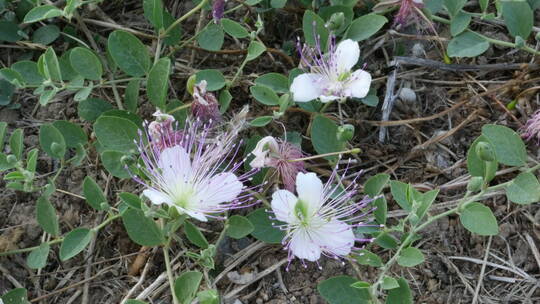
{"x":475,"y":183}
{"x":11,"y":159}
{"x":190,"y":83}
{"x":57,"y":149}
{"x":345,"y":132}
{"x":520,"y":43}
{"x":336,"y":21}
{"x":485,"y":152}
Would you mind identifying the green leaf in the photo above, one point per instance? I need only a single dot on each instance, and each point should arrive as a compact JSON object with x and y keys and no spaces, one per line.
{"x":426,"y":200}
{"x":401,"y":295}
{"x":153,"y":11}
{"x":175,"y":35}
{"x":410,"y":257}
{"x":194,"y":235}
{"x":29,"y":72}
{"x":467,"y":44}
{"x":131,"y":199}
{"x":361,"y":285}
{"x":86,"y":63}
{"x":131,"y":95}
{"x":324,"y":136}
{"x":75,"y":242}
{"x":389,"y":283}
{"x":38,"y":257}
{"x":399,"y":193}
{"x":381,"y":210}
{"x":15,"y":296}
{"x":93,"y":194}
{"x":234,"y":28}
{"x":275,"y":81}
{"x":375,"y":184}
{"x":12,"y":76}
{"x":264,"y":229}
{"x":116,"y":133}
{"x":524,"y":189}
{"x":91,"y":108}
{"x":326,"y":13}
{"x":454,"y":6}
{"x":211,"y":38}
{"x":209,"y":296}
{"x":158,"y":82}
{"x":386,"y":241}
{"x":261,"y":121}
{"x":479,"y":219}
{"x":6,"y":92}
{"x":112,"y":161}
{"x":3,"y":129}
{"x":509,"y":148}
{"x":214,"y":79}
{"x":366,"y":257}
{"x":365,"y":26}
{"x":16,"y":143}
{"x":129,"y":53}
{"x":255,"y":49}
{"x":314,"y":27}
{"x":278,"y":3}
{"x":51,"y":66}
{"x":52,"y":141}
{"x":264,"y":95}
{"x":46,"y":216}
{"x":46,"y":34}
{"x":238,"y":227}
{"x":135,"y":302}
{"x":9,"y":31}
{"x":460,"y":23}
{"x":518,"y":17}
{"x":141,"y":229}
{"x":42,"y":12}
{"x":186,"y":286}
{"x":134,"y":118}
{"x":338,"y":290}
{"x":72,"y":133}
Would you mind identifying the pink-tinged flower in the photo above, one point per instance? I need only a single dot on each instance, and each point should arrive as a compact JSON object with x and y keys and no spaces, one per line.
{"x":320,"y":220}
{"x":205,"y":106}
{"x":531,"y":129}
{"x":161,"y":131}
{"x":407,"y":11}
{"x":277,"y":154}
{"x":330,"y":75}
{"x":197,"y":176}
{"x":217,"y":10}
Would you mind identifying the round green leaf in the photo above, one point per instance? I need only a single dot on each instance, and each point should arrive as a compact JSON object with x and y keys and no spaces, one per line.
{"x":115,"y":133}
{"x":186,"y":286}
{"x":75,"y":242}
{"x":255,"y":49}
{"x":46,"y":34}
{"x":141,"y":229}
{"x":238,"y":227}
{"x":46,"y":216}
{"x":410,"y":257}
{"x":324,"y":136}
{"x":366,"y":257}
{"x":72,"y":133}
{"x":509,"y":148}
{"x":264,"y":95}
{"x":38,"y":257}
{"x":338,"y":290}
{"x":275,"y":81}
{"x":112,"y":161}
{"x":365,"y":26}
{"x":524,"y":189}
{"x":479,"y":219}
{"x":42,"y":12}
{"x":93,"y":194}
{"x":158,"y":82}
{"x":214,"y":79}
{"x":518,"y":17}
{"x":234,"y":28}
{"x":52,"y":141}
{"x":264,"y":229}
{"x":314,"y":26}
{"x":211,"y":38}
{"x":261,"y":121}
{"x":9,"y":31}
{"x":15,"y":296}
{"x":194,"y":235}
{"x":91,"y":108}
{"x":467,"y":44}
{"x":459,"y":23}
{"x":29,"y":72}
{"x":86,"y":63}
{"x":129,"y":53}
{"x":400,"y":295}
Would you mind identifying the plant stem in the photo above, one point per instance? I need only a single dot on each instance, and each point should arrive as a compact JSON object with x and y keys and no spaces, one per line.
{"x":351,"y":151}
{"x":169,"y":271}
{"x":184,"y":17}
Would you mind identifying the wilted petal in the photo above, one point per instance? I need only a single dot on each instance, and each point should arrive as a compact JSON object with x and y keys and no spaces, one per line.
{"x":310,"y":190}
{"x":283,"y":203}
{"x":264,"y":146}
{"x":303,"y":247}
{"x":306,"y":87}
{"x":346,"y":55}
{"x":359,"y":84}
{"x":157,"y":197}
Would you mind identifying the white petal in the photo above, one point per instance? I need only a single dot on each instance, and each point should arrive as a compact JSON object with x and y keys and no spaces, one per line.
{"x":221,"y":188}
{"x":157,"y":197}
{"x":306,"y":87}
{"x":358,"y":86}
{"x":303,"y":247}
{"x":196,"y":215}
{"x":335,"y":237}
{"x":176,"y":165}
{"x":310,"y":190}
{"x":264,"y":146}
{"x":346,"y":55}
{"x":283,"y":203}
{"x":325,"y":99}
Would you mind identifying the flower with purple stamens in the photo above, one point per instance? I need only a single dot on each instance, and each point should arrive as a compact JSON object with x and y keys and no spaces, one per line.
{"x":280,"y":155}
{"x":198,"y":175}
{"x":162,"y":131}
{"x":320,"y":220}
{"x":531,"y":129}
{"x":330,"y":75}
{"x":205,"y":106}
